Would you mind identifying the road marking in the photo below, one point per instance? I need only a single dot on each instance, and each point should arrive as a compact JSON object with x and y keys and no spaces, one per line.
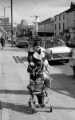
{"x":5,"y":114}
{"x":16,"y":60}
{"x":20,"y":59}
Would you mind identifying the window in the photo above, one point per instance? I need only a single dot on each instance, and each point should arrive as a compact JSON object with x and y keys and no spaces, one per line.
{"x":59,"y":17}
{"x":63,"y":17}
{"x":59,"y":26}
{"x":55,"y":18}
{"x":55,"y":27}
{"x":63,"y":26}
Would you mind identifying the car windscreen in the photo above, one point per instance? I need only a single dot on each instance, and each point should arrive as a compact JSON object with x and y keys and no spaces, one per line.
{"x":57,"y":43}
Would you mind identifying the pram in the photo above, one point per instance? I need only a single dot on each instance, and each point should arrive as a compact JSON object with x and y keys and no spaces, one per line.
{"x":37,"y":88}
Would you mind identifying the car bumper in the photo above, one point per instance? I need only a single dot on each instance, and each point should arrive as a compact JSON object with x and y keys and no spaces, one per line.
{"x":60,"y":59}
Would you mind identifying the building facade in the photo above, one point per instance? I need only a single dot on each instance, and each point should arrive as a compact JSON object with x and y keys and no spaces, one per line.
{"x":64,"y":24}
{"x":46,"y":27}
{"x":60,"y":26}
{"x":46,"y":31}
{"x":4,"y":23}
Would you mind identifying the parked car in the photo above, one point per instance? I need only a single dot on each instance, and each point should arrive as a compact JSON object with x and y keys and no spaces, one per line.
{"x":59,"y":52}
{"x":11,"y":41}
{"x":21,"y":42}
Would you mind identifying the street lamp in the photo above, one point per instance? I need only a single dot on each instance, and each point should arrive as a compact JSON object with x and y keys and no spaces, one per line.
{"x":36,"y":24}
{"x":36,"y":21}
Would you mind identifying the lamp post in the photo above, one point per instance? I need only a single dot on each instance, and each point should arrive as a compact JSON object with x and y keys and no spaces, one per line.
{"x":36,"y":24}
{"x":12,"y":22}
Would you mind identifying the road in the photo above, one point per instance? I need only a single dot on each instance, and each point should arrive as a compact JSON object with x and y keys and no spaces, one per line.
{"x":14,"y":94}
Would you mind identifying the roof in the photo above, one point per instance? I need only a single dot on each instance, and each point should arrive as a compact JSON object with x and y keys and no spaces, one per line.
{"x":72,"y":8}
{"x":47,"y":20}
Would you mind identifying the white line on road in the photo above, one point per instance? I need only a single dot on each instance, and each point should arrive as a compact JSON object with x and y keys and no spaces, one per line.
{"x":5,"y":114}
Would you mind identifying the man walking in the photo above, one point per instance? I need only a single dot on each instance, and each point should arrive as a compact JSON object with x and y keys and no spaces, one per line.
{"x":2,"y":41}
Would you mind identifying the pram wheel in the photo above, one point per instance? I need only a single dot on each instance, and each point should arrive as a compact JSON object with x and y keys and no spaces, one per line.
{"x":31,"y":108}
{"x":51,"y":108}
{"x":29,"y":104}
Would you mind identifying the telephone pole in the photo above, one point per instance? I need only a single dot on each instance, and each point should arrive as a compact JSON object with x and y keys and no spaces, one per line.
{"x":12,"y":23}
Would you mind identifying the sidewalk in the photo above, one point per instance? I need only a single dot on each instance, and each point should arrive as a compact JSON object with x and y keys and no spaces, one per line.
{"x":13,"y":82}
{"x":14,"y":96}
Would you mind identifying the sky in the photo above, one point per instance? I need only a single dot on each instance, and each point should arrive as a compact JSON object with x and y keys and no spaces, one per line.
{"x":27,"y":9}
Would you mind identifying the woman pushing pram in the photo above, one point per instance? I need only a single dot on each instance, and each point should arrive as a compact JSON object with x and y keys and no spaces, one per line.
{"x":39,"y":77}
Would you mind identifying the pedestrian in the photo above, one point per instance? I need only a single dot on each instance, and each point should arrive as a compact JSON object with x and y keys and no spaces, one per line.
{"x":40,"y":59}
{"x":73,"y":61}
{"x":2,"y":41}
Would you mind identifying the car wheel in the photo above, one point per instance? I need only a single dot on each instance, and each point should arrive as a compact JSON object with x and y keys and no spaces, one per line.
{"x":51,"y":62}
{"x":66,"y":61}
